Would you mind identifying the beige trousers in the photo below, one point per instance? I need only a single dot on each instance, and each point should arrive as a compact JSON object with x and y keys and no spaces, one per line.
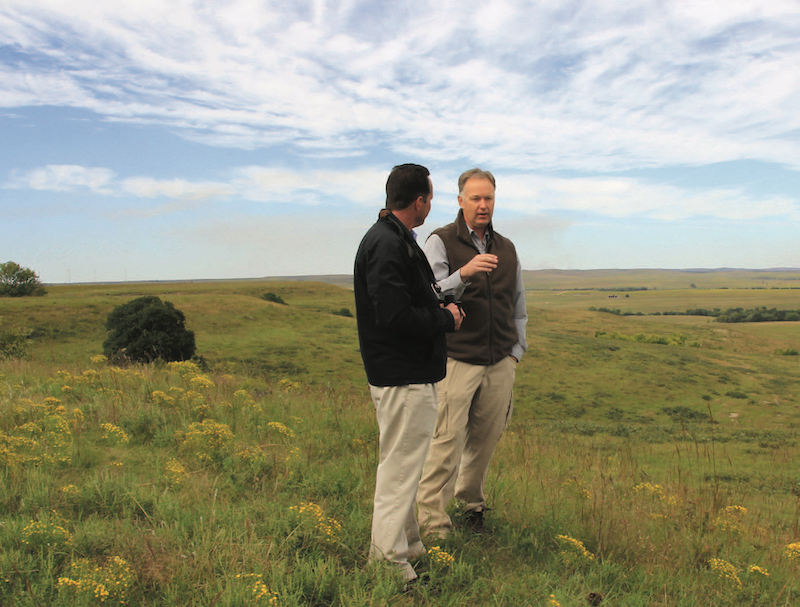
{"x":475,"y":405}
{"x":406,"y":417}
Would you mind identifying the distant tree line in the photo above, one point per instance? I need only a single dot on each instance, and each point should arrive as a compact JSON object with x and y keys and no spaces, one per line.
{"x":731,"y":315}
{"x":604,"y":289}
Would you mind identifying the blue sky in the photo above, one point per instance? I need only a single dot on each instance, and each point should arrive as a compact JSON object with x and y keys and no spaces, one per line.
{"x":159,"y":139}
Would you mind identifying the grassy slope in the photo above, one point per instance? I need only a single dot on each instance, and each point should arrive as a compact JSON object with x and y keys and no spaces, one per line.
{"x":233,"y":326}
{"x":591,"y":423}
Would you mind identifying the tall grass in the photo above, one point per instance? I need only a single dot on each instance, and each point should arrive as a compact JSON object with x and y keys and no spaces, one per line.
{"x":622,"y":479}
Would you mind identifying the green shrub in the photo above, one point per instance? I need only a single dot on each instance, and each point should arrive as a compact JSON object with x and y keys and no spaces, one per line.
{"x":13,"y":343}
{"x":273,"y":298}
{"x":736,"y":394}
{"x":146,"y":329}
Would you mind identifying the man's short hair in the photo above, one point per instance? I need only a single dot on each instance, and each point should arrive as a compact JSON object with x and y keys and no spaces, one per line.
{"x":480,"y":173}
{"x":406,"y":183}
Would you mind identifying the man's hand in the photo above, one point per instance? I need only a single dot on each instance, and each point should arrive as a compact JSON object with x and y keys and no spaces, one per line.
{"x":485,"y":262}
{"x":458,"y":314}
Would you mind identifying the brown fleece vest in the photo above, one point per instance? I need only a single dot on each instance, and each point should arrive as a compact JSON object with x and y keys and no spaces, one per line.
{"x":488,"y":332}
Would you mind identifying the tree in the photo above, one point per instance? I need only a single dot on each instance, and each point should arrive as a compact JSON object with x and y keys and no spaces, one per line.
{"x":147,"y":328}
{"x":16,"y":281}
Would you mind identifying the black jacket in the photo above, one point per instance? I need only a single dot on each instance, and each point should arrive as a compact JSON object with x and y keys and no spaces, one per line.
{"x":401,"y":327}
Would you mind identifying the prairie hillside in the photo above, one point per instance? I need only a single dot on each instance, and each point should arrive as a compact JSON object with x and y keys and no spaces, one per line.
{"x":651,"y":458}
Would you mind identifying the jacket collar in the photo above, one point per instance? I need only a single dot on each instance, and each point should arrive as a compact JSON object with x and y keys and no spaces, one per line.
{"x":398,"y":225}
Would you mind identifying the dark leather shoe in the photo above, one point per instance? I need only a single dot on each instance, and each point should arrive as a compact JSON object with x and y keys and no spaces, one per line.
{"x":473,"y":520}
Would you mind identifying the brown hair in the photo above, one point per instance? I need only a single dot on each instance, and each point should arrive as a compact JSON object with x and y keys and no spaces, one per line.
{"x":480,"y":173}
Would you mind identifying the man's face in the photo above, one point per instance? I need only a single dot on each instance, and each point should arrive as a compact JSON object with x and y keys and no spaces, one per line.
{"x":425,"y":207}
{"x":477,"y":201}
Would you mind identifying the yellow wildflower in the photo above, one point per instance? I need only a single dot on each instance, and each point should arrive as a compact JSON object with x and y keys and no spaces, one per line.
{"x":573,"y":551}
{"x":757,"y":569}
{"x":281,"y":428}
{"x":725,"y":571}
{"x":440,"y":557}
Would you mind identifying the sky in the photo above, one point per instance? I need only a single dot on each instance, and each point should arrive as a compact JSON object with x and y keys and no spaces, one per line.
{"x":209,"y":139}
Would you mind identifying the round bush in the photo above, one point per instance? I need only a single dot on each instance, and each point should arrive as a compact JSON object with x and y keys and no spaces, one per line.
{"x":147,"y":328}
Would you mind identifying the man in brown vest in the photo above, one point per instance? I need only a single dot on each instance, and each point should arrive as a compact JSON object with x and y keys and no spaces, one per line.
{"x":481,"y":268}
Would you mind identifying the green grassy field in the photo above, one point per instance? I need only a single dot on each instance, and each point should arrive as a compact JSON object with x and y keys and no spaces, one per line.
{"x":633,"y":472}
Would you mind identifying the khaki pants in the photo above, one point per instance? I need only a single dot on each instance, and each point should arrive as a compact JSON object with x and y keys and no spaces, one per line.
{"x":406,"y":417}
{"x":475,"y":405}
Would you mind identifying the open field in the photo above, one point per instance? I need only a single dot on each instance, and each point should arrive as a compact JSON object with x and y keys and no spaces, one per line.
{"x":633,"y":473}
{"x":662,"y":279}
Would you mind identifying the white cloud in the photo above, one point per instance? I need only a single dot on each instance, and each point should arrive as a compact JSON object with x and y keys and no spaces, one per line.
{"x":528,"y":195}
{"x":592,"y":86}
{"x":631,"y":198}
{"x":146,"y":187}
{"x":62,"y":178}
{"x":361,"y":187}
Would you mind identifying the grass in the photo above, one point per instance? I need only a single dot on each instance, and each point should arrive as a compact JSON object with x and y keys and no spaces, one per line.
{"x":633,"y":473}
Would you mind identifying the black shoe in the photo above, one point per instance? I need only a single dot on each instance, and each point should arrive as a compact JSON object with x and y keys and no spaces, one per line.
{"x":473,"y":520}
{"x":417,"y":583}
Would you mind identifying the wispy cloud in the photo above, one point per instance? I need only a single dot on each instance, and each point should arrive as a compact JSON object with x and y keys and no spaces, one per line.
{"x":283,"y":118}
{"x":146,"y":187}
{"x":615,"y":197}
{"x":591,"y":85}
{"x":524,"y":194}
{"x":63,"y":178}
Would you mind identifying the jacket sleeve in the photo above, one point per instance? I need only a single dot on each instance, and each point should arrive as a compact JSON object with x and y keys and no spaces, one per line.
{"x":520,"y":315}
{"x":400,"y":302}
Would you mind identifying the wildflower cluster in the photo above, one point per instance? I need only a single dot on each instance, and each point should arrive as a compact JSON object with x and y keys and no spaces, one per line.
{"x":90,"y":582}
{"x":552,"y":602}
{"x":573,"y":552}
{"x":114,"y":435}
{"x":312,"y":518}
{"x":259,"y":593}
{"x":162,"y":399}
{"x":649,"y":489}
{"x":792,"y":552}
{"x":655,"y":497}
{"x":46,"y":534}
{"x":175,"y":473}
{"x":730,"y":519}
{"x":184,"y":368}
{"x":178,"y":397}
{"x":259,"y":461}
{"x":758,"y":570}
{"x":440,"y":557}
{"x":70,"y":493}
{"x":39,"y":433}
{"x":287,"y":432}
{"x":725,"y":571}
{"x":69,"y":490}
{"x":201,"y":382}
{"x":209,"y":441}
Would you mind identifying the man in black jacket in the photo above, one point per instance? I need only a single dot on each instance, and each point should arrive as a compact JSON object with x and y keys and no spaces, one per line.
{"x":401,"y":329}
